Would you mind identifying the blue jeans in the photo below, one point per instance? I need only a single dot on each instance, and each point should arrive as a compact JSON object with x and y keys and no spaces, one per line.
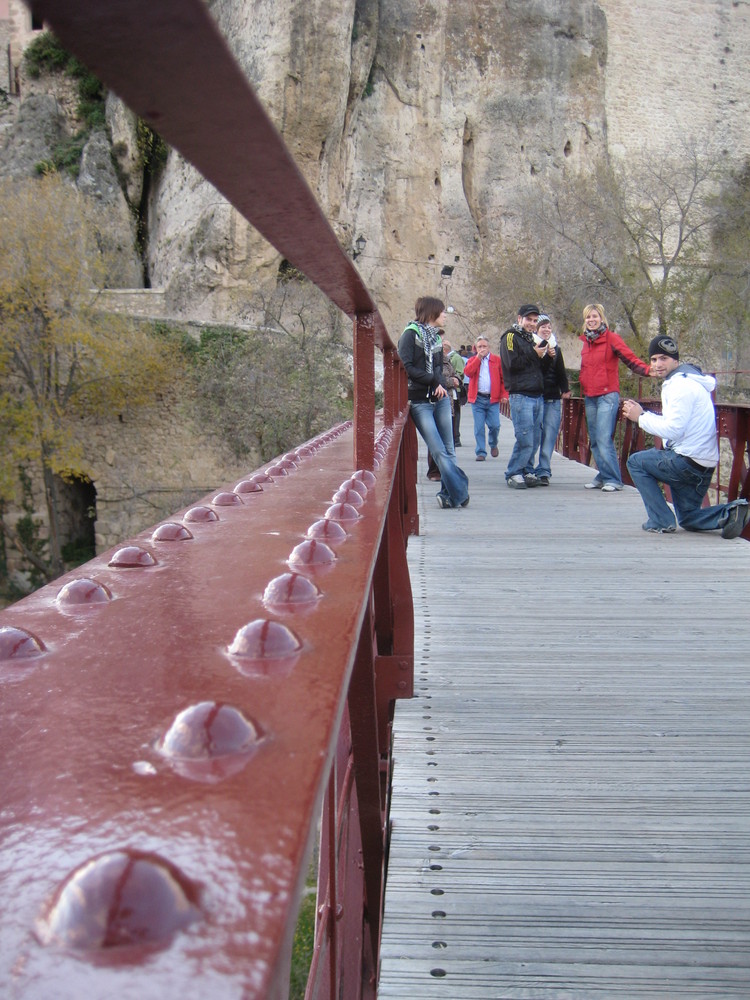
{"x":435,"y":424}
{"x":601,"y":419}
{"x":547,"y":436}
{"x":689,"y":486}
{"x":485,"y":414}
{"x":526,"y":413}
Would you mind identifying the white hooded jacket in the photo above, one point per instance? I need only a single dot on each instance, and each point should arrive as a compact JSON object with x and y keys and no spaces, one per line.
{"x":687,"y":423}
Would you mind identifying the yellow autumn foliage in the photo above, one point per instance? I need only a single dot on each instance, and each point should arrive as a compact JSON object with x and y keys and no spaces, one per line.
{"x":61,"y":357}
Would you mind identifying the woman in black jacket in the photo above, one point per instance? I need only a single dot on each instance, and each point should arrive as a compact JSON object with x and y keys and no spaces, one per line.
{"x":421,"y":351}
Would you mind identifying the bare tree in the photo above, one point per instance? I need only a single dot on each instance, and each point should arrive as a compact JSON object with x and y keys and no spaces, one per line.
{"x":266,"y":390}
{"x":638,"y":234}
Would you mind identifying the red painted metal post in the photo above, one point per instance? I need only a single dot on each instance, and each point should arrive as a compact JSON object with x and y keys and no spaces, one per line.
{"x":394,"y":381}
{"x":364,"y":391}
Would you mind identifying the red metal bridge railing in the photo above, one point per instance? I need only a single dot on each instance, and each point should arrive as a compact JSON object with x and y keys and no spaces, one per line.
{"x":178,"y":713}
{"x":732,"y":427}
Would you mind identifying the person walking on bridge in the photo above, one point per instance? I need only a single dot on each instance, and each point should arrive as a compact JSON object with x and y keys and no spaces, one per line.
{"x":485,"y":391}
{"x":421,"y":351}
{"x":602,"y":352}
{"x":686,"y":463}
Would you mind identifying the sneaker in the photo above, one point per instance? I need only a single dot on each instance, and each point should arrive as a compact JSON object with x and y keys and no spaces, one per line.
{"x":647,"y":526}
{"x":542,"y":480}
{"x":494,"y":451}
{"x":464,"y":503}
{"x":594,"y":485}
{"x":530,"y":480}
{"x":516,"y":482}
{"x":611,"y":488}
{"x":443,"y":502}
{"x":481,"y":458}
{"x":737,"y":519}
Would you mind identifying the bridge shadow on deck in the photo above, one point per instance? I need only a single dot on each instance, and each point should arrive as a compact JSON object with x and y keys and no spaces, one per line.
{"x":571,"y":792}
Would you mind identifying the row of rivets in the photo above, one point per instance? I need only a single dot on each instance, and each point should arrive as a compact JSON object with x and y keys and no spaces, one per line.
{"x":127,"y":897}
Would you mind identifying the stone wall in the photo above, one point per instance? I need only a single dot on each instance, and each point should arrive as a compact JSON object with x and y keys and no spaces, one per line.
{"x":5,"y":80}
{"x":676,"y":70}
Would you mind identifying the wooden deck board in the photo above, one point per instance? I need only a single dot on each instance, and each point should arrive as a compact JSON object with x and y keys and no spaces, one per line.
{"x":571,"y":790}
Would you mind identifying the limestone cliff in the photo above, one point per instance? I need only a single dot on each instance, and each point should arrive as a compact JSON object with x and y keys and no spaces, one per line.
{"x":419,"y":124}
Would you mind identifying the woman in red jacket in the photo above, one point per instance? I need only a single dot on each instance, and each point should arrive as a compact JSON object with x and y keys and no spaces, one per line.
{"x":602,"y":352}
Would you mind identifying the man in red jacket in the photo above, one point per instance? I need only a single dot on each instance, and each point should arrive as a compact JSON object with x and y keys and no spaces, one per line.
{"x":486,"y":389}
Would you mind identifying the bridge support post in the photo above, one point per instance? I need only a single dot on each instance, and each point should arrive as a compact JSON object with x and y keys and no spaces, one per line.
{"x":364,"y":391}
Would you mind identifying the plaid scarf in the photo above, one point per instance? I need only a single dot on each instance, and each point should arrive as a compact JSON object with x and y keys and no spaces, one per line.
{"x":430,"y":338}
{"x":592,"y":335}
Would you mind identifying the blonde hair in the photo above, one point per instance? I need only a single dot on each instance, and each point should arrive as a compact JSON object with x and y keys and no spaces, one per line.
{"x":591,"y":307}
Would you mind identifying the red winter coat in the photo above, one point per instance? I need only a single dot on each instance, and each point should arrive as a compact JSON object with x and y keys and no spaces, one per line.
{"x":600,"y":363}
{"x":497,"y":387}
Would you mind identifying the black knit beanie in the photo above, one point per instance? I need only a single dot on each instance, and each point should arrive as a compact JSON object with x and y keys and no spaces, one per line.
{"x":663,"y":345}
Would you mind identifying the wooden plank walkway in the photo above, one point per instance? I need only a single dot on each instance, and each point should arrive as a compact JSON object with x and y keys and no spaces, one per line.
{"x":571,"y":792}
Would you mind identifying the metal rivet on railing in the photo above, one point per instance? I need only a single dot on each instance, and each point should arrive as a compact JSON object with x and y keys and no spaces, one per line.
{"x":288,"y":464}
{"x":83,"y":593}
{"x":200,"y":515}
{"x":276,"y":471}
{"x":209,"y":742}
{"x":355,"y":484}
{"x":119,"y":899}
{"x":348,"y":495}
{"x":226,"y":499}
{"x":365,"y":476}
{"x":263,"y":648}
{"x":291,"y":456}
{"x":18,"y":644}
{"x":342,"y":512}
{"x":262,"y":478}
{"x":313,"y":554}
{"x":291,"y":592}
{"x":171,"y":532}
{"x":132,"y":557}
{"x":247,"y":486}
{"x":327,"y":531}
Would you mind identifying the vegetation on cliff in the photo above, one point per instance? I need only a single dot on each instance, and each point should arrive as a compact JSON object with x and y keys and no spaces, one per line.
{"x":61,"y":359}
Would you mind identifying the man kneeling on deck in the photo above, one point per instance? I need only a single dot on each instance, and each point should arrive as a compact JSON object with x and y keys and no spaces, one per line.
{"x":686,"y":463}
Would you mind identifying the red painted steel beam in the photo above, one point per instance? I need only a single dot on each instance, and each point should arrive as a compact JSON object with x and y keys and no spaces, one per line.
{"x":146,"y":849}
{"x":169,"y":63}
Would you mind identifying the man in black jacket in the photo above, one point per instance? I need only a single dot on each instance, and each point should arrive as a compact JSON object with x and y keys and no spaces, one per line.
{"x":522,"y":375}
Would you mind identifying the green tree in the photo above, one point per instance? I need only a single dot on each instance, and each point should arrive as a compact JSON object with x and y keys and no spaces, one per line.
{"x":61,"y":358}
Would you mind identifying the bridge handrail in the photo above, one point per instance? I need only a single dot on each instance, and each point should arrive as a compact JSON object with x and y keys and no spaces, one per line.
{"x":176,"y":712}
{"x":732,"y":428}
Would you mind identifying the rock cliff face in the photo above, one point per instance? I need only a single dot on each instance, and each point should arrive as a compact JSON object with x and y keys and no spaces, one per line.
{"x":419,"y":124}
